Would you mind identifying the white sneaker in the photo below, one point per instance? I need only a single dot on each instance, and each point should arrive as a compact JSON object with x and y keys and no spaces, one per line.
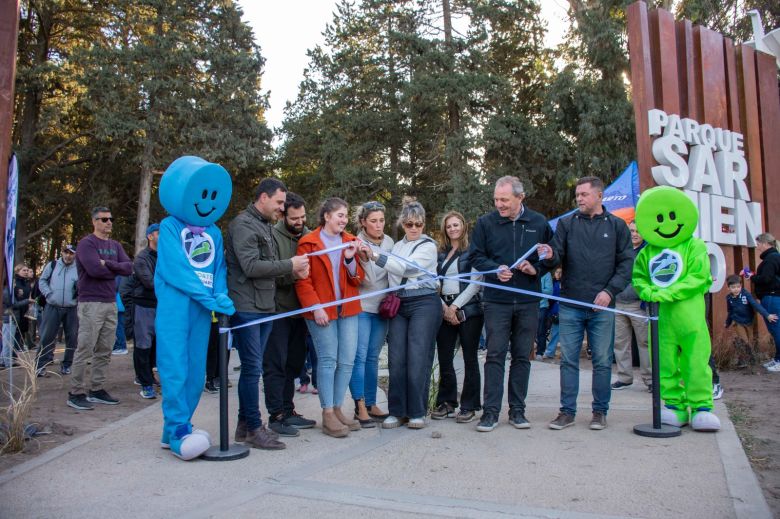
{"x":669,"y":417}
{"x":705,"y":421}
{"x":416,"y":423}
{"x":769,"y":364}
{"x":391,"y":422}
{"x":717,"y":391}
{"x":774,"y":368}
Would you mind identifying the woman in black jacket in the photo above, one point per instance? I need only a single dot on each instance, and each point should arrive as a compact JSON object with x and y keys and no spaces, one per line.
{"x":766,"y":287}
{"x":23,"y":286}
{"x":462,"y":317}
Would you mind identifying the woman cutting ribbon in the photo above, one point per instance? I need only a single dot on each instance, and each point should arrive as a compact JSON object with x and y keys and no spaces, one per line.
{"x":335,"y":275}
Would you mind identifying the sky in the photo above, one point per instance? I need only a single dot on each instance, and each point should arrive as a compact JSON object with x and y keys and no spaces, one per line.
{"x":286,"y":29}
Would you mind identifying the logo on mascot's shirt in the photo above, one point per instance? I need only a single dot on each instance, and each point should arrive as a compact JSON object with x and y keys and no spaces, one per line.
{"x":200,"y":250}
{"x":666,"y":268}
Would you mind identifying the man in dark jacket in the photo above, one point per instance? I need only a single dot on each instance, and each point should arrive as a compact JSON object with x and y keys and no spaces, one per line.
{"x":285,"y":351}
{"x":145,"y":311}
{"x":594,"y":248}
{"x":499,"y":239}
{"x":254,"y":265}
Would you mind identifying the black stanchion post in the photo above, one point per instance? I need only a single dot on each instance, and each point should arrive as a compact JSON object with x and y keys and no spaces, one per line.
{"x":656,"y":429}
{"x":225,"y":451}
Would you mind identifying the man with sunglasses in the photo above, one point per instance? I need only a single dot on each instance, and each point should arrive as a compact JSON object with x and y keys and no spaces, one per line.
{"x":99,"y":260}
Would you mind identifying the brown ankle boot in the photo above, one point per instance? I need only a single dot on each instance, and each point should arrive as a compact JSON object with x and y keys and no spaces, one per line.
{"x":332,"y":426}
{"x":241,"y":431}
{"x":353,"y":425}
{"x":261,"y":439}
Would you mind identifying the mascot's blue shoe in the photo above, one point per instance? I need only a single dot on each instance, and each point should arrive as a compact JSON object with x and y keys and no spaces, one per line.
{"x":705,"y":421}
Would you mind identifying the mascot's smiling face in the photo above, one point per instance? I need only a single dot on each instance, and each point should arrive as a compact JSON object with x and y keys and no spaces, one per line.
{"x":195,"y":191}
{"x":666,"y":217}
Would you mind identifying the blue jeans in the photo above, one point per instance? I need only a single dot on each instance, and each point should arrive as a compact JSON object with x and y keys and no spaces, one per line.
{"x":772,"y":305}
{"x":553,"y":344}
{"x":372,"y":331}
{"x":121,"y":340}
{"x":335,"y":344}
{"x":250,"y":344}
{"x":601,"y":339}
{"x":411,"y":347}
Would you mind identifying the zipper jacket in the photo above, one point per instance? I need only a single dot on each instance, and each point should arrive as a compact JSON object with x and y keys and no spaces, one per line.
{"x":500,"y":241}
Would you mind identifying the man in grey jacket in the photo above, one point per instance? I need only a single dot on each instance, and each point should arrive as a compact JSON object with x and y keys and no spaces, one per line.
{"x":254,"y":265}
{"x":58,"y":285}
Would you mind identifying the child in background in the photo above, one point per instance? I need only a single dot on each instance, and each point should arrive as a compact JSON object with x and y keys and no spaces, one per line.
{"x":543,"y":328}
{"x":741,"y":313}
{"x":552,"y":316}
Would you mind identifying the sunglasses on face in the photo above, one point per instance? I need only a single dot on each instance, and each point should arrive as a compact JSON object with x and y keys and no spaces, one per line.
{"x":106,"y":219}
{"x":409,"y":225}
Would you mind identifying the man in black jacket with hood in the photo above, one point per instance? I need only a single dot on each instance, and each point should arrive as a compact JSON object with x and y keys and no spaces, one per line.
{"x":594,"y":248}
{"x":511,"y":318}
{"x":145,"y":311}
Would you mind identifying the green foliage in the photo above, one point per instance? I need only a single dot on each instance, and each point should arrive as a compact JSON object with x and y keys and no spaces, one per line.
{"x":108,"y":90}
{"x":434,"y":99}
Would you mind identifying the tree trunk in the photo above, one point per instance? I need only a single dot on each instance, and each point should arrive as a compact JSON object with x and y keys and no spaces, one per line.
{"x":144,"y":197}
{"x":31,"y":110}
{"x":452,"y":107}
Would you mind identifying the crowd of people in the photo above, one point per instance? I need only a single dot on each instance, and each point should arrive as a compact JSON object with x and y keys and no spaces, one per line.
{"x":423,"y":298}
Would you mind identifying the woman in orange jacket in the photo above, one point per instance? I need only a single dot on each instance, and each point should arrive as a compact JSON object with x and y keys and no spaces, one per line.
{"x":334,"y":274}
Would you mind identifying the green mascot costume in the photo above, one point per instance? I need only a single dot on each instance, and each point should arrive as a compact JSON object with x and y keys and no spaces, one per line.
{"x":674,"y":270}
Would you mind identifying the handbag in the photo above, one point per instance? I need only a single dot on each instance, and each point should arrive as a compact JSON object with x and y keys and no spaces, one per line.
{"x":388,"y":307}
{"x":473,"y":309}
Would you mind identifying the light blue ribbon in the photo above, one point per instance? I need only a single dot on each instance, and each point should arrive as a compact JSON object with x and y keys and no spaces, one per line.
{"x":459,"y":277}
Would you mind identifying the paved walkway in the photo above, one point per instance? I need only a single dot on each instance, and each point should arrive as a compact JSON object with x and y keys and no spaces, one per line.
{"x":447,"y":469}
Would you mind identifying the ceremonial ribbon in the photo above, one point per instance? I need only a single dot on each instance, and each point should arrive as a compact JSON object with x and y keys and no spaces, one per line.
{"x":410,"y":283}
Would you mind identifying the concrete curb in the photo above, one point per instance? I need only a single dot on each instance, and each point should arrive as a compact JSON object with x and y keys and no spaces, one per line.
{"x":744,"y":488}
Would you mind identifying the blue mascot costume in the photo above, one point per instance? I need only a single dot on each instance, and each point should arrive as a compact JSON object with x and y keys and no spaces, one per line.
{"x":190,"y":282}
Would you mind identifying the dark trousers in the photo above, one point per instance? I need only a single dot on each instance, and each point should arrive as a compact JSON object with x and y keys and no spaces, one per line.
{"x":513,"y":326}
{"x":542,"y":330}
{"x":51,"y":319}
{"x":285,"y":355}
{"x":469,"y":332}
{"x":145,"y":338}
{"x":411,"y":344}
{"x":212,"y":357}
{"x":309,"y":364}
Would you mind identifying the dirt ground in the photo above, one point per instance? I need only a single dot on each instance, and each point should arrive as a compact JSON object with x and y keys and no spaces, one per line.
{"x":65,"y":423}
{"x":750,"y":397}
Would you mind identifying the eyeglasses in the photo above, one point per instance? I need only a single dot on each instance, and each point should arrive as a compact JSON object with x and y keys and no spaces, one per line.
{"x":105,"y":219}
{"x":409,"y":225}
{"x":373,"y":206}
